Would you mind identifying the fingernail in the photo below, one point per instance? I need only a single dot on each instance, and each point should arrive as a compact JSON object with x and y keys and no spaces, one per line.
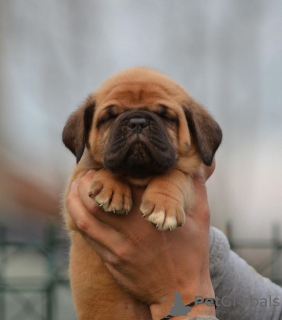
{"x":90,"y":172}
{"x":74,"y":186}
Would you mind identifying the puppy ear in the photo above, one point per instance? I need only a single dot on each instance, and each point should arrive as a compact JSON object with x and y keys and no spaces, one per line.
{"x":76,"y":130}
{"x":205,"y":130}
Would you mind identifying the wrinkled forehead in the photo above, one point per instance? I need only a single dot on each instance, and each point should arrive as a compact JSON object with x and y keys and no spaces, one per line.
{"x":139,"y":90}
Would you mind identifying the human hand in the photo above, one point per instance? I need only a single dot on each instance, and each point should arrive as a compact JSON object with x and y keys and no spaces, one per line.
{"x":145,"y":261}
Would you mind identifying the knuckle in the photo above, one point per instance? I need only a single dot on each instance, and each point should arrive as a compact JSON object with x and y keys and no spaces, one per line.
{"x":112,"y":260}
{"x":121,"y":253}
{"x":85,"y":179}
{"x":135,"y":237}
{"x":92,"y":207}
{"x":82,"y":225}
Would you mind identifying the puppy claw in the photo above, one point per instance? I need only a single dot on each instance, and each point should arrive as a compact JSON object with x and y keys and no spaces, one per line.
{"x":165,"y":214}
{"x":98,"y":204}
{"x":111,"y":194}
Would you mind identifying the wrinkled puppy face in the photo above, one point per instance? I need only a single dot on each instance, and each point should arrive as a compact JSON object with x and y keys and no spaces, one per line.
{"x":135,"y":127}
{"x":140,"y":123}
{"x":141,"y":142}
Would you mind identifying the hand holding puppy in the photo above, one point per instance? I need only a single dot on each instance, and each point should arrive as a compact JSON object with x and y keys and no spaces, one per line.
{"x":147,"y":263}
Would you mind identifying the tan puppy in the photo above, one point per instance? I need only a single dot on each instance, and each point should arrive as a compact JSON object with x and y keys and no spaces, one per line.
{"x":139,"y":128}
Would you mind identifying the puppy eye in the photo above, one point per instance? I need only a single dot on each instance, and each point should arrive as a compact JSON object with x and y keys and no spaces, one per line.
{"x":168,"y":118}
{"x":166,"y":115}
{"x":105,"y":119}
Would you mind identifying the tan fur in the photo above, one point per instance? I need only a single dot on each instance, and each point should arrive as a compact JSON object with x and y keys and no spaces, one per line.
{"x":96,"y":295}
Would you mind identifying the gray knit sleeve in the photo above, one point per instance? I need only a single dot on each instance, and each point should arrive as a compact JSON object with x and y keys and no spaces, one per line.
{"x":202,"y":318}
{"x":241,"y":293}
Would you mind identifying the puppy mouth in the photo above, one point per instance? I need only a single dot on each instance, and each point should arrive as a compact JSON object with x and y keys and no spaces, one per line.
{"x":138,"y":153}
{"x":138,"y":160}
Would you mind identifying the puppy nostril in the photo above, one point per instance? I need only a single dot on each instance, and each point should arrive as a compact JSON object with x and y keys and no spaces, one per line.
{"x":138,"y":123}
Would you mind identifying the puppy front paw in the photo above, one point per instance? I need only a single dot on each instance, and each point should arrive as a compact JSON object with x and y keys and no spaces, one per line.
{"x":163,"y":211}
{"x":110,"y":194}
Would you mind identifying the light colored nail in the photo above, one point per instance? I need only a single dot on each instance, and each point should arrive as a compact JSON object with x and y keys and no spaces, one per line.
{"x":90,"y":172}
{"x":74,"y":186}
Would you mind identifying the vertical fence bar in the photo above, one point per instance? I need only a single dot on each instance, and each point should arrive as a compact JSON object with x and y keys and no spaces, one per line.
{"x":3,"y":238}
{"x":50,"y":289}
{"x":229,"y":234}
{"x":275,"y":268}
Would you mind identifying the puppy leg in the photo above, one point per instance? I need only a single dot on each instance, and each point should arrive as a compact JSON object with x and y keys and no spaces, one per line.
{"x":165,"y":199}
{"x":96,"y":294}
{"x":110,"y":192}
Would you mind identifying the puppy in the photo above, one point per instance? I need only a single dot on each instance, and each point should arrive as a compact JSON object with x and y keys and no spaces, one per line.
{"x":139,"y":128}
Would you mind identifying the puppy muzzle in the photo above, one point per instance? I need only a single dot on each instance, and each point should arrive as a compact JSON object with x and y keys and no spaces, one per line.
{"x":139,"y":146}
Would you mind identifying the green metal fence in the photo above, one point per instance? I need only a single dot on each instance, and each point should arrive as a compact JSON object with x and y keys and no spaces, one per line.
{"x":34,"y":281}
{"x":33,"y":278}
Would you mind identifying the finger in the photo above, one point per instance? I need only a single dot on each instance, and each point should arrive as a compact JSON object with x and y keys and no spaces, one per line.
{"x":83,"y":189}
{"x":85,"y":221}
{"x":200,"y":211}
{"x":106,"y":254}
{"x":208,"y":170}
{"x":118,"y":222}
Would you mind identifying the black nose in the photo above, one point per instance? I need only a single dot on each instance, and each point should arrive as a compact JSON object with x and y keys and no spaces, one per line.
{"x":138,"y":124}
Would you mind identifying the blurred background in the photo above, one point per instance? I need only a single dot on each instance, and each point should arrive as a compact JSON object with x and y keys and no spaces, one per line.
{"x":226,"y":53}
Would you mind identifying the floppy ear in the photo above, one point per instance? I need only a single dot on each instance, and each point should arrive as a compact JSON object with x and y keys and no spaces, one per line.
{"x":76,"y":130}
{"x":205,"y":130}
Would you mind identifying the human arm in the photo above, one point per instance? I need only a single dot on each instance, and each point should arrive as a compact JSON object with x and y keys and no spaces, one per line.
{"x":240,"y":291}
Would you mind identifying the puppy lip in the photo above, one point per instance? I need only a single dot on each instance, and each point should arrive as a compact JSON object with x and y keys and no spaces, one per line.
{"x":140,"y":164}
{"x":138,"y":149}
